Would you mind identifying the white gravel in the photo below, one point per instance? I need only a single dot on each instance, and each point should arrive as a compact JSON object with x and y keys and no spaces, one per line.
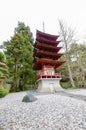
{"x":77,"y":91}
{"x":49,"y":112}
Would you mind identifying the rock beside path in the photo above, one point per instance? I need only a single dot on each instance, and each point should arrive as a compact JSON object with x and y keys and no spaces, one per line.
{"x":29,"y":97}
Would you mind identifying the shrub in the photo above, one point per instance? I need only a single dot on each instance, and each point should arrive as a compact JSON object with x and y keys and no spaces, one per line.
{"x":66,"y":85}
{"x":3,"y":92}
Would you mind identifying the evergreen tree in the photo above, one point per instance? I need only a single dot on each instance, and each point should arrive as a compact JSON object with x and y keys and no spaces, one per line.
{"x":19,"y":54}
{"x":4,"y":74}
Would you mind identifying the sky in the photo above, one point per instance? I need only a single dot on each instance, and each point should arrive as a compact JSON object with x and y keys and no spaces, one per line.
{"x":34,"y":12}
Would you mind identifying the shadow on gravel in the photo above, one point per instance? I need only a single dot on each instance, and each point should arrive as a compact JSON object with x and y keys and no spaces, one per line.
{"x":76,"y":96}
{"x":63,"y":93}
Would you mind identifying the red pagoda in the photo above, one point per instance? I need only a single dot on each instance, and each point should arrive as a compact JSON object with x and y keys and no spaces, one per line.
{"x":46,"y":61}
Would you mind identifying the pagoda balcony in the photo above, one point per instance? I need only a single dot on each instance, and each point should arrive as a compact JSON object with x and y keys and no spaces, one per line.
{"x":47,"y":47}
{"x":56,"y":75}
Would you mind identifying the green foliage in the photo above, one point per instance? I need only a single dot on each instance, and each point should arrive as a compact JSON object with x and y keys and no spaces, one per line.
{"x":78,"y":63}
{"x":19,"y":55}
{"x":66,"y":84}
{"x":3,"y":92}
{"x":4,"y":74}
{"x":2,"y":57}
{"x":1,"y":74}
{"x":77,"y":54}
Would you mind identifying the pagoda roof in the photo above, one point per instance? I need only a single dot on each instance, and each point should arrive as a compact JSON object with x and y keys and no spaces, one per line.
{"x":40,"y":62}
{"x":46,"y":35}
{"x":46,"y":47}
{"x":46,"y":41}
{"x":45,"y":54}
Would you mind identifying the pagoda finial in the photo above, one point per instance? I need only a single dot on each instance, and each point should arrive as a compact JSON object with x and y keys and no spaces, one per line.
{"x":43,"y":27}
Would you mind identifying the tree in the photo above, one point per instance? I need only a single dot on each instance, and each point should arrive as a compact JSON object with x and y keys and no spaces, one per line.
{"x":19,"y":54}
{"x":78,"y":54}
{"x":67,"y":35}
{"x":4,"y":73}
{"x":2,"y":57}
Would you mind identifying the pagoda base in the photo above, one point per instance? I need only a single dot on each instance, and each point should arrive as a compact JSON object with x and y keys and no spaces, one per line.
{"x":49,"y":85}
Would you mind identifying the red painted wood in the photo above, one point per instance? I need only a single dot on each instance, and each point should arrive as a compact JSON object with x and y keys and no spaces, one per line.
{"x":46,"y":54}
{"x":47,"y":41}
{"x":46,"y":35}
{"x":47,"y":47}
{"x":40,"y":62}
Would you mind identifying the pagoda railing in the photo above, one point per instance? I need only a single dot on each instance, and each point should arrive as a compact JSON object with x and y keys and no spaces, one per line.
{"x":56,"y":75}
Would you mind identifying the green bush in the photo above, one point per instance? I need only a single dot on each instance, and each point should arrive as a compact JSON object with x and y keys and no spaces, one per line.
{"x":3,"y":92}
{"x":66,"y":85}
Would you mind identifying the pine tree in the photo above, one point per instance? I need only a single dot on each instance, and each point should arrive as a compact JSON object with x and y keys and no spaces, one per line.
{"x":19,"y":54}
{"x":4,"y":73}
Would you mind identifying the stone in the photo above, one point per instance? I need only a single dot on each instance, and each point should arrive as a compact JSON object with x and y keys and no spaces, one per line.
{"x":29,"y":98}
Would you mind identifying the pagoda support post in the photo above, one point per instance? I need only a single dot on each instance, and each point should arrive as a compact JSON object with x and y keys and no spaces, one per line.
{"x":49,"y":85}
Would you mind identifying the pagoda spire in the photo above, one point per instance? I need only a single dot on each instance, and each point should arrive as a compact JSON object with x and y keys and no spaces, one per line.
{"x":43,"y":27}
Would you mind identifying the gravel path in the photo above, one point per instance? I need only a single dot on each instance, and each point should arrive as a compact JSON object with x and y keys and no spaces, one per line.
{"x":49,"y":112}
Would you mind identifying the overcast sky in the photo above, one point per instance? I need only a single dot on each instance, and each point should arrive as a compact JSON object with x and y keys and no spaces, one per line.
{"x":34,"y":12}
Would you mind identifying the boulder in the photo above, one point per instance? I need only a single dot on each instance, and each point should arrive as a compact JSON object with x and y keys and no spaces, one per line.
{"x":29,"y":98}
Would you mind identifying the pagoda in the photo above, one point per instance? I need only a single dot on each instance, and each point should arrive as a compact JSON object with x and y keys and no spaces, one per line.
{"x":46,"y":61}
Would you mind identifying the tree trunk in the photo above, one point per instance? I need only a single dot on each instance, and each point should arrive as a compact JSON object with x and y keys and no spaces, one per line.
{"x":68,"y":64}
{"x":16,"y":79}
{"x":69,"y":70}
{"x":67,"y":38}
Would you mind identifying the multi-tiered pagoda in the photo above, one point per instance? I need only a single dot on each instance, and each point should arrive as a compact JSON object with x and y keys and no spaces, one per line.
{"x":46,"y":61}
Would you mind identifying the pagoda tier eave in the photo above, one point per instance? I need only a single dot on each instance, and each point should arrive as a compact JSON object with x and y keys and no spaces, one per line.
{"x":48,"y":42}
{"x":46,"y":47}
{"x":40,"y":62}
{"x":44,"y":54}
{"x":46,"y":35}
